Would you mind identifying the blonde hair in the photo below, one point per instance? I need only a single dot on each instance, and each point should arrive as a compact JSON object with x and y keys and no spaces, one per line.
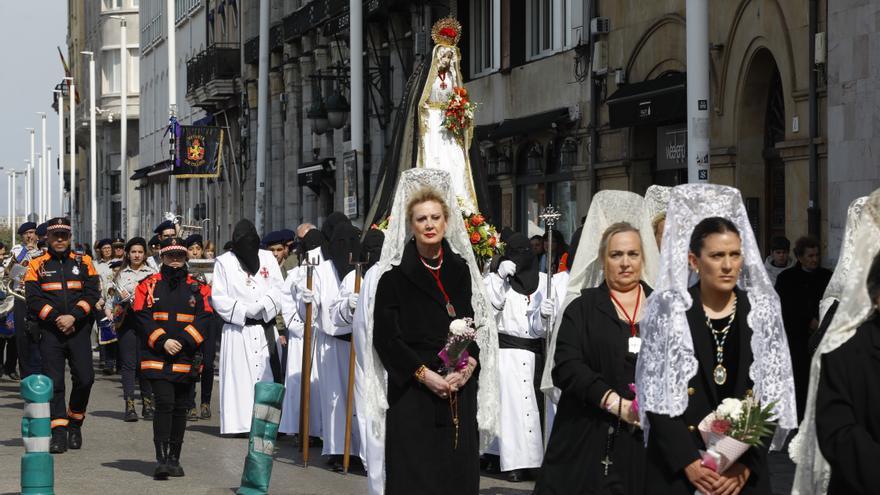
{"x":424,"y":195}
{"x":655,"y":223}
{"x":611,"y":231}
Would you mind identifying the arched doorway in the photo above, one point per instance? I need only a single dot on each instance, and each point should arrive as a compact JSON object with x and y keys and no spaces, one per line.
{"x":760,"y":168}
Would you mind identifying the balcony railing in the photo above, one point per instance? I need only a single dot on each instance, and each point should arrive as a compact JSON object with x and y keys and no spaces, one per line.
{"x":210,"y":75}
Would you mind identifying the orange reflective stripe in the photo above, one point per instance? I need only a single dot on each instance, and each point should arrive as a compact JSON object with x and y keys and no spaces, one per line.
{"x":191,"y":330}
{"x":185,"y":318}
{"x":44,"y":312}
{"x":160,"y":316}
{"x":74,"y":284}
{"x":60,"y":422}
{"x":85,"y":306}
{"x":154,"y":336}
{"x":152,"y":365}
{"x":181,"y":368}
{"x":75,"y":415}
{"x":52,"y":286}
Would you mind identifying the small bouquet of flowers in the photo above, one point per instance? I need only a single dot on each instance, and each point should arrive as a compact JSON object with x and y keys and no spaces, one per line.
{"x":454,"y":354}
{"x":734,"y":427}
{"x":458,"y":112}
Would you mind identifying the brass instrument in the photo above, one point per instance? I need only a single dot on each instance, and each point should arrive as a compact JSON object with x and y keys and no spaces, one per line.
{"x":12,"y":283}
{"x":185,"y":230}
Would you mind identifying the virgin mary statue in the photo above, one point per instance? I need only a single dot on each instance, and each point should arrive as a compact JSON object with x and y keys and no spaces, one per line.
{"x":433,"y":127}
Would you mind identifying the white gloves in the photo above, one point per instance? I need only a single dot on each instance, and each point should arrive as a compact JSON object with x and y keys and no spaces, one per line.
{"x":353,"y":300}
{"x":506,"y":268}
{"x":548,"y":308}
{"x":254,"y":311}
{"x":305,"y":294}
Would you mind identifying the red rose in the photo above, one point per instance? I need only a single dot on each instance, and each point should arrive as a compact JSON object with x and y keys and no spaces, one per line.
{"x":721,"y":426}
{"x":477,"y":220}
{"x":475,"y":238}
{"x":492,"y":241}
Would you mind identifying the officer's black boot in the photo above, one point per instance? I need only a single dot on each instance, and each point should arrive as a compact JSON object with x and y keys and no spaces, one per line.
{"x":147,"y":410}
{"x":131,"y":414}
{"x":58,"y":444}
{"x":174,"y":468}
{"x":161,"y":471}
{"x":75,"y":437}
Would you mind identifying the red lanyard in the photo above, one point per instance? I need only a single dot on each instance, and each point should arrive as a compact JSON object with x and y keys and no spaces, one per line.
{"x":435,"y":272}
{"x":631,"y":321}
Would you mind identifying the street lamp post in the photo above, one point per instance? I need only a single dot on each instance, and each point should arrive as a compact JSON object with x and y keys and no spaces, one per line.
{"x":30,"y":191}
{"x":9,"y":204}
{"x":44,"y":170}
{"x":93,"y":152}
{"x":123,"y":125}
{"x":697,"y":32}
{"x":12,"y":175}
{"x":72,"y":123}
{"x":60,"y":151}
{"x":171,"y":42}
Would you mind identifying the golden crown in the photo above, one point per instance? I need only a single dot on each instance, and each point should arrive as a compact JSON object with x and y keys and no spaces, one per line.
{"x":446,"y":31}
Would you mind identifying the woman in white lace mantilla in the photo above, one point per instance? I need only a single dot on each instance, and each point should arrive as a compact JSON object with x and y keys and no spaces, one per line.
{"x":814,"y":474}
{"x":425,"y":451}
{"x":721,"y":338}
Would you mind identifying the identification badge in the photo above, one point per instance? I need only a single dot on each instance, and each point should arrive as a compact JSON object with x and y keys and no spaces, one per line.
{"x":450,"y":310}
{"x":75,"y":270}
{"x":635,"y":345}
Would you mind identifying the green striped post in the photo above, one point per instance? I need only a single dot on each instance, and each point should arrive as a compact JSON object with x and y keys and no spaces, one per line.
{"x":37,"y":465}
{"x":261,"y":446}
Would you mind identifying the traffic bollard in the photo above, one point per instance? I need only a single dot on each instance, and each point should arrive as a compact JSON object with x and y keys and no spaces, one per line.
{"x":261,"y":446}
{"x":37,"y":465}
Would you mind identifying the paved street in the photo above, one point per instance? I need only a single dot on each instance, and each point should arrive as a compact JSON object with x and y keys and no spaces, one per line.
{"x":117,"y":457}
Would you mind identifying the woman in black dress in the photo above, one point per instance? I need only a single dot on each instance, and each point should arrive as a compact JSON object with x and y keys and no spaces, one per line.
{"x":721,"y":339}
{"x":596,"y":445}
{"x":431,"y":443}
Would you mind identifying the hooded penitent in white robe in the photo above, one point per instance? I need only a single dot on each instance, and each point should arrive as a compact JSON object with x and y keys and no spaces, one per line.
{"x":244,"y":352}
{"x":294,"y":316}
{"x":519,"y":443}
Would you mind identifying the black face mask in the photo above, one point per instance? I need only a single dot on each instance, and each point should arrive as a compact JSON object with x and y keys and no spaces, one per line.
{"x":246,"y":246}
{"x":371,"y":248}
{"x":173,"y":276}
{"x":519,"y":250}
{"x":331,"y":222}
{"x":313,"y":239}
{"x":344,"y":248}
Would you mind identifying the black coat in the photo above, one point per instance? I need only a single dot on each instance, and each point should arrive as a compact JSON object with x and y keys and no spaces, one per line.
{"x":410,"y":327}
{"x":848,"y":412}
{"x":591,"y":355}
{"x":674,"y":442}
{"x":799,"y":294}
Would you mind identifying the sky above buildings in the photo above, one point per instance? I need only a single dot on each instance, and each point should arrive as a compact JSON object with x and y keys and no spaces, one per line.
{"x":30,"y":32}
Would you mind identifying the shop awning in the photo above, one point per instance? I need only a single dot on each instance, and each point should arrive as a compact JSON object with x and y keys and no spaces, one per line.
{"x":654,"y":102}
{"x":151,"y":170}
{"x":522,"y":125}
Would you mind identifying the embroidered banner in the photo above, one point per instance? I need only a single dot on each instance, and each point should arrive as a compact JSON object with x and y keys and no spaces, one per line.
{"x":199,"y":151}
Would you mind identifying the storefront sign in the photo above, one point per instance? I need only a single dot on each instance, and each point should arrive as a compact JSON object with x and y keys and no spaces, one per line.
{"x":350,"y":184}
{"x":672,"y":147}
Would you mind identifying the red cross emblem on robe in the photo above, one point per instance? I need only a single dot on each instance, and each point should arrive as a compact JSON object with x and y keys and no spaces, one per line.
{"x":264,"y":272}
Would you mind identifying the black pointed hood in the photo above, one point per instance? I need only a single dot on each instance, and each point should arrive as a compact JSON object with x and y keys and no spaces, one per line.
{"x":371,"y":247}
{"x":314,"y":239}
{"x":246,"y":246}
{"x":519,"y":250}
{"x":331,"y":222}
{"x":345,"y":247}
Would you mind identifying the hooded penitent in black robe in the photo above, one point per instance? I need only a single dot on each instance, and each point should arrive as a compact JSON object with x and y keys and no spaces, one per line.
{"x":591,"y":358}
{"x":410,"y":327}
{"x":674,"y":442}
{"x":800,"y":292}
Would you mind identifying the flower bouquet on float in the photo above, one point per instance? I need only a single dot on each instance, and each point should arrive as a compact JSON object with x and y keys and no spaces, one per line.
{"x":732,"y":429}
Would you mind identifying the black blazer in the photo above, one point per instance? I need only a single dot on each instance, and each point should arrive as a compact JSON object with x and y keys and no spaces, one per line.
{"x":848,"y":412}
{"x":673,"y":442}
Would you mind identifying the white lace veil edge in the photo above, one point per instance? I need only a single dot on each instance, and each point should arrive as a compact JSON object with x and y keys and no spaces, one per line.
{"x":667,"y":362}
{"x":607,"y":208}
{"x":657,"y":200}
{"x":844,"y":259}
{"x":396,"y":237}
{"x":813,"y":472}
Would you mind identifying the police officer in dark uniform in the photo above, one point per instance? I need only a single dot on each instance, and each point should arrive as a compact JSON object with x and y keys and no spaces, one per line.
{"x":174,"y":314}
{"x":62,"y":289}
{"x":28,"y":352}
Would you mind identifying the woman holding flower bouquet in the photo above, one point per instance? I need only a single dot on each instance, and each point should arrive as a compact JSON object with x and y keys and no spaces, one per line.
{"x":424,"y":295}
{"x":704,"y":345}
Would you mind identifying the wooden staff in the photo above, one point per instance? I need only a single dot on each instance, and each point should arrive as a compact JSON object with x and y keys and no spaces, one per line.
{"x":306,"y":375}
{"x":349,"y":409}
